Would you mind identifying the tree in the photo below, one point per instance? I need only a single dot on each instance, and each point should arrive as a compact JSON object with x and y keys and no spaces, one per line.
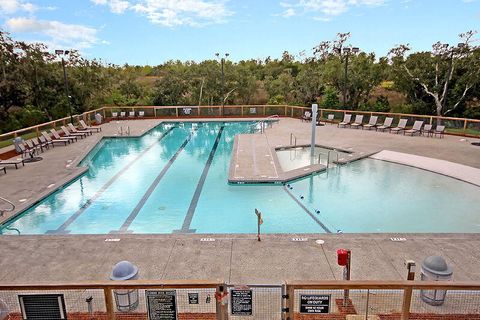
{"x":446,"y":74}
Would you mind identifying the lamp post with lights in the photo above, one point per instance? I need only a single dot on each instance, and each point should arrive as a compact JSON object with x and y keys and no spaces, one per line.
{"x":344,"y":55}
{"x":222,"y":62}
{"x":62,"y":54}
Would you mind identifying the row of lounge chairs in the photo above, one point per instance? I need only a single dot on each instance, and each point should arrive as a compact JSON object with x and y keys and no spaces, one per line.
{"x":418,"y":126}
{"x":31,"y":148}
{"x":131,"y":114}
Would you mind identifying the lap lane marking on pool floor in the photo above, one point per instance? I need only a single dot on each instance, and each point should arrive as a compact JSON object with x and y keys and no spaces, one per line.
{"x":320,"y":223}
{"x":73,"y":217}
{"x":193,"y":204}
{"x":148,"y":193}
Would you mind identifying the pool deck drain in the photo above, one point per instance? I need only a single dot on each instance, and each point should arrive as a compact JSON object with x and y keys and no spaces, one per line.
{"x":232,"y":258}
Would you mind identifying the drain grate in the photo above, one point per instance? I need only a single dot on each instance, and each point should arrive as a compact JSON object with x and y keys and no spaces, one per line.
{"x":207,"y":239}
{"x":299,"y":239}
{"x":42,"y":306}
{"x":398,"y":239}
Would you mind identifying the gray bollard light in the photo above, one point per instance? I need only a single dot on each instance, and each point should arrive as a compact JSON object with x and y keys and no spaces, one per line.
{"x":435,"y":268}
{"x":125,"y":299}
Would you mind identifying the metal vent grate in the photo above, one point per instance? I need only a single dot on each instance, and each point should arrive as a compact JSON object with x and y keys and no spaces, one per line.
{"x":43,"y":307}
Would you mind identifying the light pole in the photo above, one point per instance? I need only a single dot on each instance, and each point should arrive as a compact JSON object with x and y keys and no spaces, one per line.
{"x":346,"y":52}
{"x":222,"y":62}
{"x":62,"y":53}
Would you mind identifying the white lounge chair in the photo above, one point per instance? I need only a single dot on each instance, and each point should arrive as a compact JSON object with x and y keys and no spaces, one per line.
{"x":417,"y":126}
{"x":114,"y":115}
{"x":141,"y":114}
{"x":331,"y":118}
{"x":53,"y":141}
{"x":131,"y":114}
{"x":187,"y":111}
{"x":347,"y":119}
{"x":58,"y":137}
{"x":123,"y":114}
{"x":253,"y":111}
{"x":14,"y":162}
{"x":358,"y":121}
{"x":307,"y":116}
{"x":72,"y":134}
{"x":402,"y":124}
{"x":427,"y":129}
{"x":72,"y":128}
{"x":387,"y":124}
{"x":440,"y":131}
{"x":372,"y":123}
{"x":84,"y":126}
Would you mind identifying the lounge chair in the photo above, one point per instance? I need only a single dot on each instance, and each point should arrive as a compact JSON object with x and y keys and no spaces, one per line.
{"x":187,"y":111}
{"x":72,"y":128}
{"x":331,"y":118}
{"x":387,"y":124}
{"x":71,"y":134}
{"x":358,"y":121}
{"x":26,"y":150}
{"x":440,"y":130}
{"x":253,"y":111}
{"x":114,"y":115}
{"x":307,"y":116}
{"x":131,"y":114}
{"x":428,"y":130}
{"x":417,"y":127}
{"x":58,"y":137}
{"x":83,"y":126}
{"x":3,"y":169}
{"x":14,"y":162}
{"x":123,"y":114}
{"x":141,"y":114}
{"x":33,"y":146}
{"x":53,"y":141}
{"x":402,"y":124}
{"x":372,"y":123}
{"x":42,"y":145}
{"x":347,"y":119}
{"x":45,"y":142}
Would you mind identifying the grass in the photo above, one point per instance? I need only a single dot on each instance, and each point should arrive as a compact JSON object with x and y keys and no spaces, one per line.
{"x":9,"y":142}
{"x":473,"y":132}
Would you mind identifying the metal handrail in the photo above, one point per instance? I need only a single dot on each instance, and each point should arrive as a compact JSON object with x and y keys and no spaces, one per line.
{"x":293,"y":139}
{"x":2,"y":211}
{"x":328,"y":159}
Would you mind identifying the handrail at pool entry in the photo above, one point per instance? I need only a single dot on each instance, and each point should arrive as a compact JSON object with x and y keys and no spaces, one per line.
{"x":2,"y":211}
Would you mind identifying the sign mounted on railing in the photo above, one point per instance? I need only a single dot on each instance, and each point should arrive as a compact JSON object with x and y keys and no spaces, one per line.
{"x":315,"y":303}
{"x":241,"y":302}
{"x":161,"y":304}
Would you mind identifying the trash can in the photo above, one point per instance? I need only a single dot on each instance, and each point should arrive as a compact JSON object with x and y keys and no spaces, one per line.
{"x":125,"y":299}
{"x":17,"y":142}
{"x":434,"y":268}
{"x":98,"y":118}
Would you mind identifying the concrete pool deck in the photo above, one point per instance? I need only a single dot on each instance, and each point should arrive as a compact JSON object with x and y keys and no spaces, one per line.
{"x":236,"y":259}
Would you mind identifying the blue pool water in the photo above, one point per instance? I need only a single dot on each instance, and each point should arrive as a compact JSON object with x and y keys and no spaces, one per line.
{"x":174,"y":179}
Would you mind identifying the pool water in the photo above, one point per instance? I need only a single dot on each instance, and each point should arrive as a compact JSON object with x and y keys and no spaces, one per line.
{"x":174,"y":180}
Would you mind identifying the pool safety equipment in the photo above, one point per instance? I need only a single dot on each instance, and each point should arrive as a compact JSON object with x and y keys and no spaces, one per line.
{"x":344,"y":260}
{"x":435,"y":268}
{"x":125,"y":299}
{"x":314,"y":127}
{"x":259,"y":223}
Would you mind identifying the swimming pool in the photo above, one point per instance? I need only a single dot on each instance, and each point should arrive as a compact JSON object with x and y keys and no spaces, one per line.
{"x":174,"y":180}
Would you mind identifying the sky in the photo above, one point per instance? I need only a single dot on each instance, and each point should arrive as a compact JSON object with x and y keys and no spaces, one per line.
{"x":141,"y":32}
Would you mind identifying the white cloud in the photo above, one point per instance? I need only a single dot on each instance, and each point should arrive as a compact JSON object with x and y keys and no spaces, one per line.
{"x":12,"y":6}
{"x":171,"y":13}
{"x":330,"y":8}
{"x":59,"y":34}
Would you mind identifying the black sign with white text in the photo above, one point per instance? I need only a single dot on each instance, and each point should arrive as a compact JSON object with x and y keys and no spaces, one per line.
{"x":314,"y":303}
{"x":161,"y":304}
{"x":242,"y":302}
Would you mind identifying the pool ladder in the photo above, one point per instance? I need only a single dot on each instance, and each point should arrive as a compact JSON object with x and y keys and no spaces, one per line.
{"x":328,"y":159}
{"x":263,"y":123}
{"x":12,"y":208}
{"x":122,"y":132}
{"x":293,"y":140}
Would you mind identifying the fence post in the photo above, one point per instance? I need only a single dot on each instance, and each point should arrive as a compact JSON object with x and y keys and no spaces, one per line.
{"x":242,"y":110}
{"x":264,"y":110}
{"x":321,"y":113}
{"x":104,"y":113}
{"x":431,"y":120}
{"x":109,"y":303}
{"x":290,"y":302}
{"x":176,"y":112}
{"x":286,"y":111}
{"x":407,"y":299}
{"x":291,"y":113}
{"x":465,"y":126}
{"x":221,"y":305}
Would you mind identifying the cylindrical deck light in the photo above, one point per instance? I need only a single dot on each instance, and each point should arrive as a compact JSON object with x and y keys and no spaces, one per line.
{"x":125,"y":299}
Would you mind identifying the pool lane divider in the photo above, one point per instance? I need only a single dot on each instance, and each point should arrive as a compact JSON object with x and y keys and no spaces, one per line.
{"x":148,"y":193}
{"x":63,"y":228}
{"x":193,"y":204}
{"x":320,"y":223}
